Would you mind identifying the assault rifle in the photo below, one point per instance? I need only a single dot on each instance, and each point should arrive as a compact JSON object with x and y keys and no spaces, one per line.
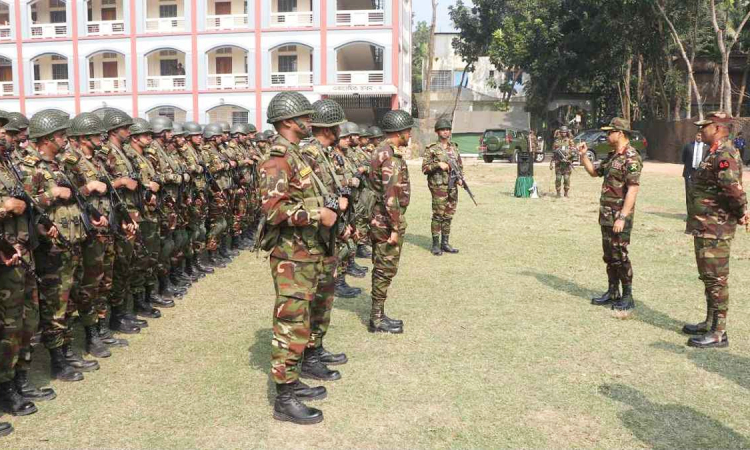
{"x":39,"y":215}
{"x":120,"y":211}
{"x":87,"y":209}
{"x":9,"y":250}
{"x":457,"y":175}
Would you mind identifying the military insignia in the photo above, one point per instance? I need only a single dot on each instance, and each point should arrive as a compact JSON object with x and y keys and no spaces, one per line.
{"x":633,"y":168}
{"x":305,"y":172}
{"x":723,"y":165}
{"x":31,"y":160}
{"x":90,"y":174}
{"x":47,"y":176}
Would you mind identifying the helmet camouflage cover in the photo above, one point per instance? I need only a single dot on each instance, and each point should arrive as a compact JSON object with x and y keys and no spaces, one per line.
{"x":443,"y":124}
{"x":375,"y":132}
{"x":178,"y":129}
{"x":212,"y":130}
{"x":85,"y":124}
{"x":160,"y":124}
{"x":192,"y":128}
{"x":397,"y":120}
{"x":16,"y":122}
{"x":225,"y":127}
{"x":240,"y":128}
{"x":115,"y":118}
{"x":140,"y":126}
{"x":363,"y":131}
{"x":327,"y":113}
{"x":288,"y":105}
{"x":348,"y":129}
{"x":47,"y":122}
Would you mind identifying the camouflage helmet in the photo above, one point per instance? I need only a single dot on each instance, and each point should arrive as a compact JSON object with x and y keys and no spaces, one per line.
{"x":364,"y":131}
{"x":16,"y":122}
{"x":261,"y":137}
{"x":397,"y":120}
{"x":327,"y":113}
{"x":563,"y":129}
{"x":212,"y":130}
{"x":178,"y":129}
{"x":115,"y":118}
{"x":47,"y":122}
{"x":3,"y":118}
{"x":225,"y":127}
{"x":55,"y":111}
{"x":288,"y":105}
{"x":85,"y":124}
{"x":251,"y":128}
{"x":443,"y":124}
{"x":239,"y":128}
{"x":140,"y":126}
{"x":348,"y":129}
{"x":160,"y":124}
{"x":375,"y":132}
{"x":192,"y":128}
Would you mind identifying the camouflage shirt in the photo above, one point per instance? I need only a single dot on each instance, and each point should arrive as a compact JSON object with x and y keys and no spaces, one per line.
{"x":119,"y":166}
{"x":620,"y":171}
{"x":14,"y":229}
{"x":434,"y":155}
{"x":81,"y":170}
{"x":292,"y":200}
{"x":147,"y":174}
{"x":719,"y":199}
{"x":389,"y":179}
{"x":193,"y":161}
{"x":563,"y":150}
{"x":217,"y":164}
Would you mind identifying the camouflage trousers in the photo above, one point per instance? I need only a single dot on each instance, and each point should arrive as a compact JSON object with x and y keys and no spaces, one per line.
{"x":98,"y":257}
{"x":362,"y":212}
{"x":30,"y":320}
{"x":197,"y":223}
{"x":322,"y":306}
{"x":123,"y":272}
{"x":444,"y":204}
{"x":12,"y":292}
{"x":165,"y":251}
{"x":240,"y":212}
{"x":217,"y":222}
{"x":59,"y":270}
{"x":385,"y":257}
{"x":146,"y":258}
{"x":712,"y":258}
{"x":180,"y":238}
{"x":296,"y":285}
{"x":615,"y":249}
{"x":562,"y":174}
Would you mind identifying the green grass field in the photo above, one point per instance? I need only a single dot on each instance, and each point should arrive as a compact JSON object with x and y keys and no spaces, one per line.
{"x":501,"y":349}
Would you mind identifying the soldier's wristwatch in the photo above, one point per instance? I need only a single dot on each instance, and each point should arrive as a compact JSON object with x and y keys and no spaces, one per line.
{"x":621,"y":216}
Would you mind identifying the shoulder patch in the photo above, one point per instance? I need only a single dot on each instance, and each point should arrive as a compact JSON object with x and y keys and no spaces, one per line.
{"x":305,"y":172}
{"x":70,"y":158}
{"x":30,"y":160}
{"x":278,"y":150}
{"x":723,"y":164}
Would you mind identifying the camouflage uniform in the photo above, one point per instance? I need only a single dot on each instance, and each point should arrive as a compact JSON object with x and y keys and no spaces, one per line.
{"x":170,"y":176}
{"x":237,"y":153}
{"x":218,"y":204}
{"x":562,"y":159}
{"x":719,"y":201}
{"x":198,"y":206}
{"x":444,"y":200}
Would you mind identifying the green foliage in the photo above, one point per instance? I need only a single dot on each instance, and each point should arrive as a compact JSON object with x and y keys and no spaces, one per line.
{"x":420,"y":42}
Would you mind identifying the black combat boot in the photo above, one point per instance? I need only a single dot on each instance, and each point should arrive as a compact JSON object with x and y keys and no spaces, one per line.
{"x":213,"y":260}
{"x":312,"y":367}
{"x":626,"y":303}
{"x":191,"y":271}
{"x":30,"y":392}
{"x":158,"y":300}
{"x":305,"y":392}
{"x":716,"y":337}
{"x":377,"y":322}
{"x":120,"y":323}
{"x":331,"y":359}
{"x":354,"y":271}
{"x":168,"y":291}
{"x":436,"y":250}
{"x":353,"y":264}
{"x":176,"y":281}
{"x":288,"y":408}
{"x":76,"y":361}
{"x":143,"y":308}
{"x":566,"y":193}
{"x":702,"y":327}
{"x":94,"y":346}
{"x":198,"y":265}
{"x":363,"y":251}
{"x":105,"y":334}
{"x":12,"y":402}
{"x":612,"y":295}
{"x":59,"y":367}
{"x":343,"y":290}
{"x":5,"y":429}
{"x":229,"y":245}
{"x":445,"y":245}
{"x":224,"y":251}
{"x":395,"y":322}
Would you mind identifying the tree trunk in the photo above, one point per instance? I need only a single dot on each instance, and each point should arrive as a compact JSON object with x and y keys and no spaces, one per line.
{"x":626,"y":84}
{"x":639,"y":90}
{"x":726,"y":50}
{"x":431,"y":58}
{"x":741,"y":95}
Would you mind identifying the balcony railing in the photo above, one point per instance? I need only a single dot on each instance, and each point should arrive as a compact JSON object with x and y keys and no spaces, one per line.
{"x":105,"y":28}
{"x":228,"y":81}
{"x":171,"y":83}
{"x":6,"y":88}
{"x":360,"y":18}
{"x":51,"y":87}
{"x":165,"y":25}
{"x":292,"y":19}
{"x":48,"y":30}
{"x":4,"y":32}
{"x":291,"y":79}
{"x":226,"y":22}
{"x":106,"y":85}
{"x":359,"y":77}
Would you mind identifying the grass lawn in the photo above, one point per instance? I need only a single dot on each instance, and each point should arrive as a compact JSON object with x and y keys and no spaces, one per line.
{"x":502,"y":347}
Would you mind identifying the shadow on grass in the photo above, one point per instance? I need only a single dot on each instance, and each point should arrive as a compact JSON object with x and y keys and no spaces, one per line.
{"x":656,"y":318}
{"x":359,"y":305}
{"x":561,"y":284}
{"x":260,"y":358}
{"x":732,"y":367}
{"x":665,"y":215}
{"x":424,"y":242}
{"x":668,"y":426}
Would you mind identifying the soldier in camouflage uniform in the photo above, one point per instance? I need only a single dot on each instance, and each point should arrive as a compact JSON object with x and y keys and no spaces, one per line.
{"x":376,"y":135}
{"x":621,"y":170}
{"x":444,"y":199}
{"x":17,"y":131}
{"x":229,"y":155}
{"x":125,"y":180}
{"x":298,"y":218}
{"x":237,"y":146}
{"x":218,"y":171}
{"x":389,"y":178}
{"x":562,"y":159}
{"x":718,"y":204}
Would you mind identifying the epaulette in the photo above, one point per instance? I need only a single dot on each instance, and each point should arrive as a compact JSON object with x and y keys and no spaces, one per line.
{"x":278,"y":150}
{"x":70,"y":158}
{"x":631,"y":152}
{"x":150,"y":150}
{"x":310,"y":148}
{"x":104,"y":150}
{"x":432,"y":145}
{"x":31,"y":160}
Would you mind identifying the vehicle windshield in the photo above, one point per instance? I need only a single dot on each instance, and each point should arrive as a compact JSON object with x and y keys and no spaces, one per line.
{"x":497,"y":133}
{"x":587,"y":135}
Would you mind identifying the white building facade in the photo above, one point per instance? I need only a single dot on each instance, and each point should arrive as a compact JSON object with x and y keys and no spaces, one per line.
{"x":204,"y":60}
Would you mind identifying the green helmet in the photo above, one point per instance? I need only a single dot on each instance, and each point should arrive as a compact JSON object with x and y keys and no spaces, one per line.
{"x":261,"y":137}
{"x":251,"y":128}
{"x":239,"y":128}
{"x":225,"y":127}
{"x":397,"y":120}
{"x":192,"y":128}
{"x":45,"y":123}
{"x":212,"y":129}
{"x":55,"y":111}
{"x":363,"y":131}
{"x":160,"y":124}
{"x":140,"y":126}
{"x":16,"y":122}
{"x":3,"y":118}
{"x":115,"y":118}
{"x":348,"y":129}
{"x":85,"y":124}
{"x":178,"y":129}
{"x":327,"y":113}
{"x":288,"y":105}
{"x":443,"y":124}
{"x":375,"y":132}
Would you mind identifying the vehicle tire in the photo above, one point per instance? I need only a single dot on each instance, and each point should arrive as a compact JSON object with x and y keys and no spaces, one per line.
{"x":591,"y":155}
{"x":487,"y":159}
{"x":539,"y":157}
{"x":514,"y":158}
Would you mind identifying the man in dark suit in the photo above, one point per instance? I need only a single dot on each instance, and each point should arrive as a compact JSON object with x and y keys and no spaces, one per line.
{"x":692,"y":155}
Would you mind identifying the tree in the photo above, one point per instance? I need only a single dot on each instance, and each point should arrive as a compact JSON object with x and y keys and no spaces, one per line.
{"x":728,"y":21}
{"x":420,"y":38}
{"x":430,"y":58}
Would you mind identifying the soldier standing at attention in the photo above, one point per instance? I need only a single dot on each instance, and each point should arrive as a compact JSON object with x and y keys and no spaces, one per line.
{"x":562,"y":159}
{"x":444,"y":200}
{"x":718,"y":204}
{"x":389,"y":179}
{"x":621,"y":170}
{"x":297,"y":218}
